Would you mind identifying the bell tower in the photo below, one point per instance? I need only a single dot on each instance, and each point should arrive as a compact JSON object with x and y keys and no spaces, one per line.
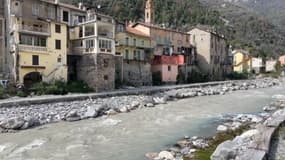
{"x":149,"y":12}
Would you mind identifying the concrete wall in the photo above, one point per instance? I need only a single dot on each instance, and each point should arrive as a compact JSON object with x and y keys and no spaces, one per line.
{"x":137,"y":73}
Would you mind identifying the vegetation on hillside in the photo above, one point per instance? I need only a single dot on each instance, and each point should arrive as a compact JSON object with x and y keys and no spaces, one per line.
{"x":243,"y":28}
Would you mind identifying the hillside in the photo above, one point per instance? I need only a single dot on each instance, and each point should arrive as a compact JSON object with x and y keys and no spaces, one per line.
{"x":243,"y":27}
{"x":250,"y":29}
{"x":273,"y":10}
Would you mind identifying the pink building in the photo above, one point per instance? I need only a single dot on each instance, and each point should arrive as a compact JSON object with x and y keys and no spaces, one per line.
{"x":282,"y":60}
{"x":167,"y":67}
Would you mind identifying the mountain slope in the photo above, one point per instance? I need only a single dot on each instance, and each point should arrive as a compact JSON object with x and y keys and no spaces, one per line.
{"x":249,"y":29}
{"x":244,"y":27}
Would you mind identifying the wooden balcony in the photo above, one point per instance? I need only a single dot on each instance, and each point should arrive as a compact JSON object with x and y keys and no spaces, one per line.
{"x":32,"y":48}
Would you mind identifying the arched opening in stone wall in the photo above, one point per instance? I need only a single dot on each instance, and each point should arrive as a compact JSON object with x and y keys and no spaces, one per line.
{"x":32,"y":78}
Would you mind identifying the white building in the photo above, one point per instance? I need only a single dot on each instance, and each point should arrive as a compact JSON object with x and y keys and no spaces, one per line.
{"x":258,"y":65}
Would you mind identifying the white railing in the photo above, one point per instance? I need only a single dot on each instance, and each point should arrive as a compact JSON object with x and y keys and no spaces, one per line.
{"x":32,"y":48}
{"x":31,"y":28}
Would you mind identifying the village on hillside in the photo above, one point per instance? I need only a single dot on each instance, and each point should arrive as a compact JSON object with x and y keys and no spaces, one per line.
{"x":47,"y":41}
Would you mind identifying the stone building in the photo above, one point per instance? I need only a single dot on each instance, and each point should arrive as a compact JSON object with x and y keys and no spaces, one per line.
{"x":92,"y":52}
{"x":214,"y":58}
{"x":135,"y":48}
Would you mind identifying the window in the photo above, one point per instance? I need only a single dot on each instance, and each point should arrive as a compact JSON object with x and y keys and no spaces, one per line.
{"x":1,"y":27}
{"x":59,"y":59}
{"x":142,"y":43}
{"x":139,"y":55}
{"x":35,"y":9}
{"x":135,"y":55}
{"x":40,"y":41}
{"x":106,"y":77}
{"x":127,"y":40}
{"x":106,"y":63}
{"x":127,"y":54}
{"x":169,"y":68}
{"x":106,"y":44}
{"x":26,"y":39}
{"x":89,"y":30}
{"x":57,"y":28}
{"x":57,"y":44}
{"x":135,"y":42}
{"x":80,"y":32}
{"x":51,"y":12}
{"x":65,"y":16}
{"x":35,"y":60}
{"x":89,"y":43}
{"x":33,"y":40}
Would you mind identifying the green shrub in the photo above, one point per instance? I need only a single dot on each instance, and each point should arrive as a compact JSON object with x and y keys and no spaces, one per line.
{"x":156,"y":78}
{"x":78,"y":87}
{"x":197,"y":77}
{"x":60,"y":88}
{"x":2,"y":92}
{"x":21,"y":94}
{"x":238,"y":76}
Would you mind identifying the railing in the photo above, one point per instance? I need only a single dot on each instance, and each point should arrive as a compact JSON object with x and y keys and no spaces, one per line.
{"x":106,"y":34}
{"x":32,"y":48}
{"x":105,"y":50}
{"x":34,"y":26}
{"x":176,"y":60}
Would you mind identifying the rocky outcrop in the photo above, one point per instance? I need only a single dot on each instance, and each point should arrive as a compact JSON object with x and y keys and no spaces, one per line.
{"x":255,"y":143}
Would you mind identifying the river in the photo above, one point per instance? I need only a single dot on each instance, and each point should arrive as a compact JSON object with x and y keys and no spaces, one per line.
{"x":129,"y":136}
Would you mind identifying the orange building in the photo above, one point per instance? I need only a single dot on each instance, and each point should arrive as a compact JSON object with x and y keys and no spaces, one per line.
{"x":282,"y":60}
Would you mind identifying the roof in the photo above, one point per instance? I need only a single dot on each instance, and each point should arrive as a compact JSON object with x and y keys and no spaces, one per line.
{"x":136,"y":32}
{"x":208,"y":29}
{"x":64,"y":5}
{"x":157,"y":27}
{"x":241,"y":51}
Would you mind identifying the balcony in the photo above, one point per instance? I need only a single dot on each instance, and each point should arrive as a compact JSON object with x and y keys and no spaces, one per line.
{"x":34,"y":27}
{"x":106,"y":34}
{"x":105,"y":50}
{"x":175,"y":60}
{"x":32,"y":48}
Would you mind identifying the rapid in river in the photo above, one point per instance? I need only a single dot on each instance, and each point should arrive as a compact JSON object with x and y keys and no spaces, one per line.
{"x":129,"y":136}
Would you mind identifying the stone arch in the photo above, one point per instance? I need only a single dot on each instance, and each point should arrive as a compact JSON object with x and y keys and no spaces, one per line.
{"x":32,"y":78}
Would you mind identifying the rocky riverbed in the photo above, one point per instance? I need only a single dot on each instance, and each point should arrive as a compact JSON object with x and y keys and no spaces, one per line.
{"x":256,"y":128}
{"x":23,"y":117}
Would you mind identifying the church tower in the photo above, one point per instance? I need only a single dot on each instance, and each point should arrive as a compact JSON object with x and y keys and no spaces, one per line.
{"x":149,"y":12}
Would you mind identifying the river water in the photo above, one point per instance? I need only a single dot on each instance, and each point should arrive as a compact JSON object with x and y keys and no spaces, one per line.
{"x":129,"y":136}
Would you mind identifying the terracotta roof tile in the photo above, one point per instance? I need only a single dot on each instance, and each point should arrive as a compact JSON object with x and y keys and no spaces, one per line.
{"x":137,"y":32}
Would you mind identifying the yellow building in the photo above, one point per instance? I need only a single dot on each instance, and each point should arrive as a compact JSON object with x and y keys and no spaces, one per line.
{"x":135,"y":48}
{"x":41,"y":51}
{"x":132,"y":44}
{"x":242,"y":61}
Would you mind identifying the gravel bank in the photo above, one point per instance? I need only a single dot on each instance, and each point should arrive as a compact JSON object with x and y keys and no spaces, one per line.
{"x":23,"y":117}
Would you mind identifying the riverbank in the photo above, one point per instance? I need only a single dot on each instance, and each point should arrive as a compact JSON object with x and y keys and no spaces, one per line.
{"x":24,"y":117}
{"x":242,"y":136}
